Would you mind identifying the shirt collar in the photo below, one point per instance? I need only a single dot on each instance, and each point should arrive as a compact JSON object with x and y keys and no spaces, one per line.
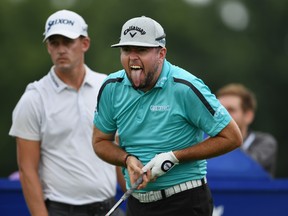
{"x":59,"y":85}
{"x":163,"y":76}
{"x":89,"y":79}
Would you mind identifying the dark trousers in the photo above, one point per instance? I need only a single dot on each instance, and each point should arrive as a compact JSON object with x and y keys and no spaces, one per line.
{"x":93,"y":209}
{"x":194,"y":202}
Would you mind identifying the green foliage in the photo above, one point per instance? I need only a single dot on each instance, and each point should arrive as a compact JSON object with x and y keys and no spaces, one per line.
{"x":197,"y":40}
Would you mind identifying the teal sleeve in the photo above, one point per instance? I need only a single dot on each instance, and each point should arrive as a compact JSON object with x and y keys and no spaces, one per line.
{"x":103,"y":117}
{"x":207,"y":112}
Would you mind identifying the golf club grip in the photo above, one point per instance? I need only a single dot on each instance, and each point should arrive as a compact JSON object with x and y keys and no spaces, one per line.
{"x":137,"y":183}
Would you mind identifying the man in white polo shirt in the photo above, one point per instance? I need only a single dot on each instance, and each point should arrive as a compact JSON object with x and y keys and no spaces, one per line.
{"x":59,"y":171}
{"x":160,"y":112}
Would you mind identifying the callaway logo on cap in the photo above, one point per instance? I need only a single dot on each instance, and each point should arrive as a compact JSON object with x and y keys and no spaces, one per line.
{"x":142,"y":31}
{"x":66,"y":23}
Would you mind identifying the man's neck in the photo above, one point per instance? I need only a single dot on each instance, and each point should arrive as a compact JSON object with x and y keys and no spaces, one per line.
{"x":73,"y":78}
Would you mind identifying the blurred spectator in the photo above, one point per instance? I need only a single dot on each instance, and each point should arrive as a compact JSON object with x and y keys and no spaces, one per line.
{"x":241,"y":104}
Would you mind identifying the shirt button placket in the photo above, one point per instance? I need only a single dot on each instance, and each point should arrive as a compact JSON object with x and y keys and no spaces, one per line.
{"x":139,"y":115}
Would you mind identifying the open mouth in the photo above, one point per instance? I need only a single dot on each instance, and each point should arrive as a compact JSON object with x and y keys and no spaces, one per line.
{"x":134,"y":67}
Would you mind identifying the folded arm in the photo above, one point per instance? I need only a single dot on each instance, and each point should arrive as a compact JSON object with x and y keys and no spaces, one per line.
{"x":227,"y":140}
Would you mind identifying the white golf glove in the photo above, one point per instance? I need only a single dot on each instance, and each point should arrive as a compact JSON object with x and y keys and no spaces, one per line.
{"x":161,"y":164}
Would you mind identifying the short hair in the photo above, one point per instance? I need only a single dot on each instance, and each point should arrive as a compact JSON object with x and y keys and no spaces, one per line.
{"x":248,"y":99}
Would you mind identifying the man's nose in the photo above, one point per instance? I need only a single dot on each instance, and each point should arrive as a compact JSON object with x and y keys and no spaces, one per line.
{"x":133,"y":55}
{"x":61,"y":48}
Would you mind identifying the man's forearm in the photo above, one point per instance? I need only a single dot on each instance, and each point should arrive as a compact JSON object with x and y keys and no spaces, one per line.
{"x":33,"y":194}
{"x":110,"y":152}
{"x":106,"y":149}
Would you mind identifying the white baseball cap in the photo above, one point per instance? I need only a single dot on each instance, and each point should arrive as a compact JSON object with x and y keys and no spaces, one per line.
{"x":142,"y":31}
{"x":66,"y":23}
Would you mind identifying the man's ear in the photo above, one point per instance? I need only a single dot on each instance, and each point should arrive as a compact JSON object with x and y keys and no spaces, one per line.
{"x":249,"y":117}
{"x":163,"y":52}
{"x":86,"y":43}
{"x":47,"y":47}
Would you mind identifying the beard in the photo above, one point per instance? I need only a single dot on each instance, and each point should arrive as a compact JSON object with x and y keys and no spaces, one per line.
{"x":149,"y":80}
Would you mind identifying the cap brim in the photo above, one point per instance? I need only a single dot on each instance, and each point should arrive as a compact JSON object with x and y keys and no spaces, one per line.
{"x":67,"y":34}
{"x":135,"y":44}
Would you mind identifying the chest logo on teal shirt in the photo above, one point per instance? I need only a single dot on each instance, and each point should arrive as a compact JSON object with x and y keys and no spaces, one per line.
{"x":159,"y":108}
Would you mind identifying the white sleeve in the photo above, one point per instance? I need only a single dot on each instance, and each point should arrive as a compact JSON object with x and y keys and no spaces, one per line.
{"x":26,"y":117}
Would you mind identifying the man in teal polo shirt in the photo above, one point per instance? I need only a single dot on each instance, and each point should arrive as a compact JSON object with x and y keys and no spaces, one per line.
{"x":160,"y":112}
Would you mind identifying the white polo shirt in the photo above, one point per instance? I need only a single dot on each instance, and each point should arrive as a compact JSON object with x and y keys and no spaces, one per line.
{"x":62,"y":119}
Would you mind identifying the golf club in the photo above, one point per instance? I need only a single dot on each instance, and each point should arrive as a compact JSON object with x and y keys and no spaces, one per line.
{"x":125,"y":195}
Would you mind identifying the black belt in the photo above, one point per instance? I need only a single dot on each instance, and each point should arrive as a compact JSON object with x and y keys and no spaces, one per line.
{"x":95,"y":208}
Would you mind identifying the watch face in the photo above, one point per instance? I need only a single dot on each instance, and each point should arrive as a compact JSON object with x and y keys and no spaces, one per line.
{"x":166,"y":165}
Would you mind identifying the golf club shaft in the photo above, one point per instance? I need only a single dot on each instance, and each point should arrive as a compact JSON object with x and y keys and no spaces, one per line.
{"x":125,"y":195}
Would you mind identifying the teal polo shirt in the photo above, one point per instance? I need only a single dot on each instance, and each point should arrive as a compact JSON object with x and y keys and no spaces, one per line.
{"x":173,"y":115}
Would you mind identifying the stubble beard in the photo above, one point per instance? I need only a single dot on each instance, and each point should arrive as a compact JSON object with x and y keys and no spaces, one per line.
{"x":149,"y":80}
